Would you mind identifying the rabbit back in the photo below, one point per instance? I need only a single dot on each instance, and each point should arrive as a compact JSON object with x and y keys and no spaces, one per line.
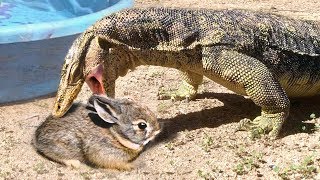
{"x":61,"y":138}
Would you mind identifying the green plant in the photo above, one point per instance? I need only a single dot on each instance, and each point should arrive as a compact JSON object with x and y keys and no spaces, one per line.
{"x":317,"y":125}
{"x":313,"y":116}
{"x":170,"y":146}
{"x":162,"y":107}
{"x":249,"y":161}
{"x":246,"y":165}
{"x":204,"y":175}
{"x":156,"y":74}
{"x":207,"y":142}
{"x":85,"y":175}
{"x":40,"y":168}
{"x":306,"y":168}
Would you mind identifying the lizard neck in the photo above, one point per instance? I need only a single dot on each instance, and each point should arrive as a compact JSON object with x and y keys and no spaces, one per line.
{"x":172,"y":59}
{"x":120,"y":60}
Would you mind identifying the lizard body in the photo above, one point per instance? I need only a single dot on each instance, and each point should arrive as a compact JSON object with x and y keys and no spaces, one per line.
{"x":267,"y":57}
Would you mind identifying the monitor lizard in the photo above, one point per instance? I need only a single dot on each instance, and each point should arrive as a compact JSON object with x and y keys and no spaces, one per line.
{"x":264,"y":56}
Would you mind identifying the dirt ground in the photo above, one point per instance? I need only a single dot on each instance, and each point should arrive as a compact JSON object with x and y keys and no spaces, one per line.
{"x":198,"y":140}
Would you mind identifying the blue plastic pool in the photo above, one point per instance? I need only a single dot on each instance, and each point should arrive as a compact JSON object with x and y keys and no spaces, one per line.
{"x":34,"y":38}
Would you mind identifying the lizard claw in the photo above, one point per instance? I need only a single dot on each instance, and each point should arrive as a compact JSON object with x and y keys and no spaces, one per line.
{"x":253,"y":127}
{"x":266,"y":123}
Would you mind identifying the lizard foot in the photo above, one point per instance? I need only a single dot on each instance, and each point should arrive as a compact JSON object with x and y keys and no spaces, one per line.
{"x":266,"y":123}
{"x":184,"y":92}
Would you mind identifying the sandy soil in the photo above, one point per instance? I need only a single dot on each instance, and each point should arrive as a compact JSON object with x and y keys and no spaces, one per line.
{"x":198,"y":141}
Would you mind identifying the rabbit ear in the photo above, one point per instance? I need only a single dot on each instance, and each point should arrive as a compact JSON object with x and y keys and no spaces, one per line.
{"x":106,"y":111}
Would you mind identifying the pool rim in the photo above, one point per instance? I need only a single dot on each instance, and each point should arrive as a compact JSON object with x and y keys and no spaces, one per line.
{"x":60,"y":28}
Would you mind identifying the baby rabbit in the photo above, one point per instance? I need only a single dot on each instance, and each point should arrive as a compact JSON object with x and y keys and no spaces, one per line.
{"x":107,"y":133}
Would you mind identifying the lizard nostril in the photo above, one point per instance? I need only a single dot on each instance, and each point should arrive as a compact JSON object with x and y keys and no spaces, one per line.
{"x":59,"y":106}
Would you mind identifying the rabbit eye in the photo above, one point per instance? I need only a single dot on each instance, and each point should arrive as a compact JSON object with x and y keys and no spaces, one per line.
{"x":142,"y":125}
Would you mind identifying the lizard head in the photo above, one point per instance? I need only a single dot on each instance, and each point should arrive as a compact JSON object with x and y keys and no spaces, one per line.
{"x":71,"y":81}
{"x":82,"y":64}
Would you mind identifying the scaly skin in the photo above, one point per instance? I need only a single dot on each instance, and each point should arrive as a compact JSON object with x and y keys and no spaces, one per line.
{"x":266,"y":57}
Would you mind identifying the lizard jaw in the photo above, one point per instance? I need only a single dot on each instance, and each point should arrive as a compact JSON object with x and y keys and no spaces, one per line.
{"x":62,"y":105}
{"x":94,"y":80}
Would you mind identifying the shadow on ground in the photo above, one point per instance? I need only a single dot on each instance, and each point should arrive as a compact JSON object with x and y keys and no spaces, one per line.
{"x":299,"y":118}
{"x":237,"y":107}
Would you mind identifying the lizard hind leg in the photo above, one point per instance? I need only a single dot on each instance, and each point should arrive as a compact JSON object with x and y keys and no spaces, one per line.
{"x":248,"y":75}
{"x":187,"y":89}
{"x":266,"y":92}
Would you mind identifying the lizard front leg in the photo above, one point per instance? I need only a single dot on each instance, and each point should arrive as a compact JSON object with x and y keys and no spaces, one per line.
{"x":247,"y":75}
{"x":187,"y":89}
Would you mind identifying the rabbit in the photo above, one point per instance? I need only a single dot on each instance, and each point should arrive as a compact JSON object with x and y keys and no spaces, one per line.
{"x":106,"y":133}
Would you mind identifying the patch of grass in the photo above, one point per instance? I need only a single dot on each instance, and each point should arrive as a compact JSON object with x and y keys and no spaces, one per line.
{"x":162,"y":107}
{"x":209,"y":172}
{"x":170,"y":146}
{"x":156,"y":74}
{"x":40,"y":168}
{"x":307,"y":168}
{"x":205,"y":175}
{"x":313,"y":116}
{"x":246,"y":165}
{"x":249,"y":161}
{"x":317,"y":124}
{"x":85,"y":175}
{"x":207,"y":143}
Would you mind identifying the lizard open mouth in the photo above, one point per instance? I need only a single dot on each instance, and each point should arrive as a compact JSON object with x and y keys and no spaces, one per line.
{"x":94,"y":80}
